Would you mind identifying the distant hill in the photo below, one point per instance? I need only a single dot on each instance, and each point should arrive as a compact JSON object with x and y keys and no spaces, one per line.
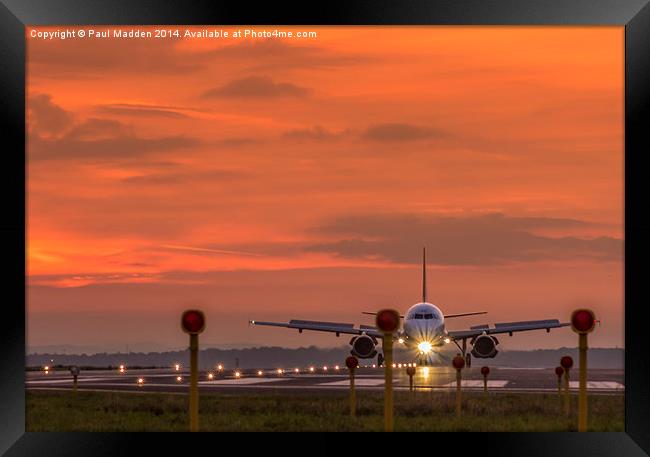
{"x":273,"y":357}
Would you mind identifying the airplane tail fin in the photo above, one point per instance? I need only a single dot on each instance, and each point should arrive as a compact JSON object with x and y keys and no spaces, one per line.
{"x":424,"y":274}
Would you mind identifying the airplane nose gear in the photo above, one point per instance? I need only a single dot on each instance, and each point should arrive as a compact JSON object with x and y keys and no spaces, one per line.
{"x":468,"y":360}
{"x":380,"y":359}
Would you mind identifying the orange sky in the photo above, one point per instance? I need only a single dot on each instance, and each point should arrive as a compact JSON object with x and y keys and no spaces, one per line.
{"x":278,"y":178}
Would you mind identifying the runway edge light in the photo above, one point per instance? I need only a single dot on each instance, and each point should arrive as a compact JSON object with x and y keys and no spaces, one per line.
{"x":410,"y":371}
{"x":582,"y":322}
{"x":193,"y":323}
{"x":485,"y":371}
{"x":352,"y":363}
{"x":387,"y":320}
{"x":566,"y":363}
{"x":459,"y":363}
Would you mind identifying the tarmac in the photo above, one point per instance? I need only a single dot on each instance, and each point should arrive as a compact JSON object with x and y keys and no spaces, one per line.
{"x":170,"y":380}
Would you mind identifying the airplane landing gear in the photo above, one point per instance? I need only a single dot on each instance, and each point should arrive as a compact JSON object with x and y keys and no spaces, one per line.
{"x":468,"y":360}
{"x":380,"y":359}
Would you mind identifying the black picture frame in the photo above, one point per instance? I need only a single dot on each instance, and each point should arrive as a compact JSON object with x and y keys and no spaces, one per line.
{"x":633,"y":14}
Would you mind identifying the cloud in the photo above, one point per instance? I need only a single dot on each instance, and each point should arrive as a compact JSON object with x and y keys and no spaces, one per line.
{"x":273,"y":54}
{"x":45,"y":117}
{"x":93,"y":59}
{"x":165,"y":179}
{"x":401,"y":132}
{"x":100,"y":139}
{"x":257,"y":86}
{"x":474,"y":240}
{"x":141,"y":110}
{"x":316,"y":133}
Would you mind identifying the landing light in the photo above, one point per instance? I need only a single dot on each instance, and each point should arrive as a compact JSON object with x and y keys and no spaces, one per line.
{"x":447,"y":340}
{"x":425,"y":347}
{"x":401,"y":341}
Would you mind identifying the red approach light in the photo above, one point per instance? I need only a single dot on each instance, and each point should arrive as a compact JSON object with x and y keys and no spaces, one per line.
{"x":566,"y":362}
{"x":458,"y":362}
{"x":410,"y":371}
{"x":559,"y":371}
{"x":583,"y":321}
{"x":351,"y":362}
{"x":387,"y":320}
{"x":193,"y":321}
{"x":485,"y":371}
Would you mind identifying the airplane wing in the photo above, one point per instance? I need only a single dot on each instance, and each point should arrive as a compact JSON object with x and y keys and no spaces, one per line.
{"x":332,"y":327}
{"x":507,"y":327}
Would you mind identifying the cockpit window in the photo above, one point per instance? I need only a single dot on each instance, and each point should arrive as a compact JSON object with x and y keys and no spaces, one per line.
{"x":428,"y":316}
{"x":419,"y":316}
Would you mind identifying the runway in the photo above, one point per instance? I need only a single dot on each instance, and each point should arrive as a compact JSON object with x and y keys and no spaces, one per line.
{"x":500,"y":379}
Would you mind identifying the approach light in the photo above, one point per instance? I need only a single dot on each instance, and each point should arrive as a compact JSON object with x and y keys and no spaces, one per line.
{"x":279,"y":370}
{"x":324,"y":368}
{"x":140,"y":381}
{"x":210,"y":376}
{"x":336,"y":367}
{"x":311,"y":369}
{"x":219,"y":367}
{"x":374,"y":366}
{"x":177,"y":367}
{"x":237,"y":374}
{"x":394,"y":365}
{"x":179,"y":378}
{"x":260,"y":372}
{"x":425,"y":370}
{"x":296,"y":370}
{"x":399,"y":365}
{"x":425,"y":347}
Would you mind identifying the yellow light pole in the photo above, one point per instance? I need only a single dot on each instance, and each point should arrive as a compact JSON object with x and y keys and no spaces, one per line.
{"x":75,"y":372}
{"x":411,"y":372}
{"x":388,"y":321}
{"x":485,"y":371}
{"x":566,"y":362}
{"x":193,"y":322}
{"x":352,"y":363}
{"x":582,"y":322}
{"x":459,"y":363}
{"x":559,"y":371}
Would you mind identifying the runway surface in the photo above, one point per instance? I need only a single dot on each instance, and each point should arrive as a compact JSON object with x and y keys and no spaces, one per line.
{"x":501,"y":379}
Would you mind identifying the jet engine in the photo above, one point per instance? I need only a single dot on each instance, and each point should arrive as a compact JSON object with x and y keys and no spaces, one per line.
{"x":484,"y":347}
{"x":363,"y":346}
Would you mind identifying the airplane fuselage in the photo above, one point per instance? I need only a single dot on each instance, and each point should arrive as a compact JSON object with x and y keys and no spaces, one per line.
{"x":424,"y":327}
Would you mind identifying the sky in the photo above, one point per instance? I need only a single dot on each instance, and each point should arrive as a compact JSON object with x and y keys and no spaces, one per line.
{"x":277,"y":178}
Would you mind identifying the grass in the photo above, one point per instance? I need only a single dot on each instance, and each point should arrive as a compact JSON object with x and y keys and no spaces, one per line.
{"x":269,"y":411}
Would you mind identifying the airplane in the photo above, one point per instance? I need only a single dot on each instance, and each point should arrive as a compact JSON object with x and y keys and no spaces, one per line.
{"x":423,"y":331}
